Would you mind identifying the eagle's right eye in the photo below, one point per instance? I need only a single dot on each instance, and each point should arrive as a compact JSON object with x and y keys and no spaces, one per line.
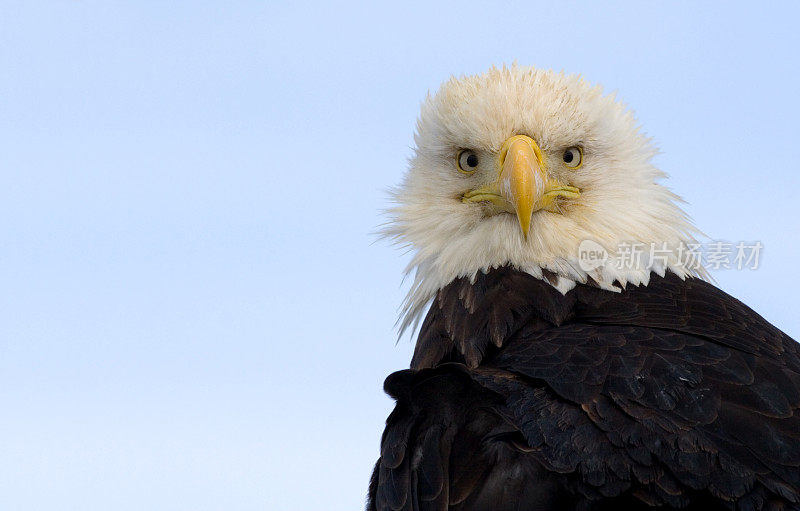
{"x":467,"y":161}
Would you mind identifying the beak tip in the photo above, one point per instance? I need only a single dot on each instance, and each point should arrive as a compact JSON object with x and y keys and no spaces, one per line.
{"x":525,"y":228}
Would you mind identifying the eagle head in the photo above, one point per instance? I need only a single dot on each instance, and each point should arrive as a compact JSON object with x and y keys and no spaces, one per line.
{"x":521,"y":166}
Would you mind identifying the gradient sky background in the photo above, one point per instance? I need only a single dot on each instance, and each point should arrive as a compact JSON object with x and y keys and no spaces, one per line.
{"x":194,"y":313}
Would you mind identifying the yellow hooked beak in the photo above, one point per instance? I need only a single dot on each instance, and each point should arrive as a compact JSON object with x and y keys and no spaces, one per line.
{"x":523,"y":186}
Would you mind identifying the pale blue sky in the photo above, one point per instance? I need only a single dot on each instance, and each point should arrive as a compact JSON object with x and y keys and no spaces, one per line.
{"x":194,"y":313}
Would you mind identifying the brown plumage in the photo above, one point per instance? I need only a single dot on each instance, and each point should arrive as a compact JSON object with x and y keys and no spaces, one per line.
{"x":672,"y":394}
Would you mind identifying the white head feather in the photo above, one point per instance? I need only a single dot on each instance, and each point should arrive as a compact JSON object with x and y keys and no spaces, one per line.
{"x":621,"y":199}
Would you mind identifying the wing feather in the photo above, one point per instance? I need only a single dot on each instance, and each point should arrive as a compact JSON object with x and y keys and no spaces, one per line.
{"x":667,"y":394}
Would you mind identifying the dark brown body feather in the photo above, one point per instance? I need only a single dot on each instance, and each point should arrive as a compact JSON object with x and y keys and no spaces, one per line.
{"x":672,"y":394}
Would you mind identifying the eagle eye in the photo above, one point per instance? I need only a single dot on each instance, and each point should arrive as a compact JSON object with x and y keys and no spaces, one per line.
{"x":573,"y":157}
{"x":467,"y":161}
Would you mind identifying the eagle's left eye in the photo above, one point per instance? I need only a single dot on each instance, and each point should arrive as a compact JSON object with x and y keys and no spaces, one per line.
{"x":573,"y":157}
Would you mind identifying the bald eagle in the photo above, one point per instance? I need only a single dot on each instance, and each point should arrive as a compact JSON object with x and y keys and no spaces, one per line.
{"x":539,"y":382}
